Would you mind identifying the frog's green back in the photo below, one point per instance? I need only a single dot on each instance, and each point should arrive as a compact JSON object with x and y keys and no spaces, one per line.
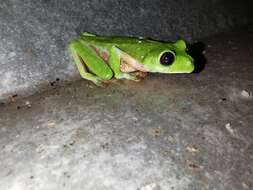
{"x":135,"y":47}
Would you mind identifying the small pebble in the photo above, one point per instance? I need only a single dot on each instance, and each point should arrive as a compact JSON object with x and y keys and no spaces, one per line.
{"x":28,"y":104}
{"x":156,"y":132}
{"x":245,"y":94}
{"x":51,"y":124}
{"x":229,"y":128}
{"x":192,"y":148}
{"x":245,"y":186}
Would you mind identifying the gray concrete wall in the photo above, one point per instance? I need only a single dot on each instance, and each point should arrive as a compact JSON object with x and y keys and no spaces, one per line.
{"x":34,"y":34}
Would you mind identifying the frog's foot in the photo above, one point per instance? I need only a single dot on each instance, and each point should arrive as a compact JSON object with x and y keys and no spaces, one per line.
{"x":96,"y":81}
{"x":140,"y":74}
{"x":103,"y":84}
{"x":90,"y":65}
{"x":113,"y":81}
{"x":127,"y":76}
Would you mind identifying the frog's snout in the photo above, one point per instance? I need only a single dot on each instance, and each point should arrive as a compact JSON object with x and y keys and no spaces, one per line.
{"x":189,"y":64}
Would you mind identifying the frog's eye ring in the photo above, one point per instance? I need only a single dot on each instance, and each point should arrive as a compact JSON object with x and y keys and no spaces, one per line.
{"x":167,"y":58}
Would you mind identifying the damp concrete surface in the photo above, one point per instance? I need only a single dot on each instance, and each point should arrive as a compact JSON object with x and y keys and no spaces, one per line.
{"x":187,"y":131}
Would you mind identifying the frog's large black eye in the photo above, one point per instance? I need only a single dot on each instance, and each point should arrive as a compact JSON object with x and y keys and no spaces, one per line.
{"x":167,"y":58}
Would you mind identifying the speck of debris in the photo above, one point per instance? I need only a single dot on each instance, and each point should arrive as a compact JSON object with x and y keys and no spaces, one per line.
{"x":245,"y":93}
{"x":245,"y":186}
{"x":192,"y":148}
{"x":29,"y":51}
{"x":13,"y":97}
{"x":18,"y":107}
{"x":51,"y":124}
{"x":72,"y":143}
{"x":66,"y":174}
{"x":31,"y":177}
{"x":229,"y":128}
{"x":156,"y":132}
{"x":105,"y":145}
{"x":222,"y":99}
{"x":28,"y":104}
{"x":52,"y":83}
{"x":152,"y":186}
{"x":194,"y":166}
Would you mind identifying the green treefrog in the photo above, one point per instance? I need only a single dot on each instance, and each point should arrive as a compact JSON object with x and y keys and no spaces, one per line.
{"x":100,"y":59}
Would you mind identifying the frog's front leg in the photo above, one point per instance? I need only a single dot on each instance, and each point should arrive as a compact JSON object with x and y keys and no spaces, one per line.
{"x":90,"y":65}
{"x":115,"y":63}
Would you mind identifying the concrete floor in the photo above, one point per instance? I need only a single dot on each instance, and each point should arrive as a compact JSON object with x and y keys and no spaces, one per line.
{"x":167,"y":132}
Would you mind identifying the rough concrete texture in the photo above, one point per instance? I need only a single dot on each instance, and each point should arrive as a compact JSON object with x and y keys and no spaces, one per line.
{"x":166,"y":132}
{"x":34,"y":34}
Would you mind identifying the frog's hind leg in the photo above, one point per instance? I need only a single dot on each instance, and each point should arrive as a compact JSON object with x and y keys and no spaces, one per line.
{"x":89,"y":64}
{"x":83,"y":69}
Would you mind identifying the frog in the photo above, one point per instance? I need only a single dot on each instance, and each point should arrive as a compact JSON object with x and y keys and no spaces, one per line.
{"x":101,"y":59}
